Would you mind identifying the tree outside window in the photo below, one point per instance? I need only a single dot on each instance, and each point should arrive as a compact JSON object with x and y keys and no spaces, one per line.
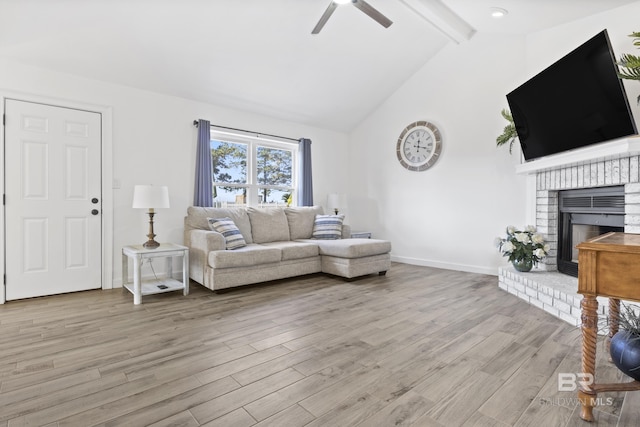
{"x":252,"y":172}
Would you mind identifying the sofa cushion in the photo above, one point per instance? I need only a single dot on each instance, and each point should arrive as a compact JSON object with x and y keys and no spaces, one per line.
{"x":197,"y":217}
{"x":244,"y":257}
{"x":295,"y":250}
{"x":268,"y":224}
{"x":301,"y":220}
{"x":232,"y":236}
{"x":327,"y":227}
{"x":352,"y":248}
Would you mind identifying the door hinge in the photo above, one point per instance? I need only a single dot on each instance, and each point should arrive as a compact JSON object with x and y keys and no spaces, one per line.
{"x":4,"y":279}
{"x":4,"y":199}
{"x":4,"y":119}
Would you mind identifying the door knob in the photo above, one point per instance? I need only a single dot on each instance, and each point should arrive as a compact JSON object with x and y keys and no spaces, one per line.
{"x":95,"y":212}
{"x":94,"y":200}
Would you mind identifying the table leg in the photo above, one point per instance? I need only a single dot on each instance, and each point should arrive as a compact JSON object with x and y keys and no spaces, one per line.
{"x":125,"y":269}
{"x":587,"y":396}
{"x":614,"y":321}
{"x":168,"y":267}
{"x":185,"y":272}
{"x":137,"y":286}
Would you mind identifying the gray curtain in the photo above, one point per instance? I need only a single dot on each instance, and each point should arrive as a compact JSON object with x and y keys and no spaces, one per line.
{"x":305,"y":195}
{"x":203,"y":187}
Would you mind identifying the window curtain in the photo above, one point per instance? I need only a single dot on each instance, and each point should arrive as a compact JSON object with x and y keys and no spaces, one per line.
{"x":203,"y":185}
{"x":305,"y":195}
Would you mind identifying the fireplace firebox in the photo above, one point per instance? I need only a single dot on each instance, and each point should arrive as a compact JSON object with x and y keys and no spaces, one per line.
{"x":583,"y":214}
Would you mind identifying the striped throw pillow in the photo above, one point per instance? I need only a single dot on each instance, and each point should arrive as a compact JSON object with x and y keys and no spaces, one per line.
{"x":328,"y":227}
{"x":228,"y":229}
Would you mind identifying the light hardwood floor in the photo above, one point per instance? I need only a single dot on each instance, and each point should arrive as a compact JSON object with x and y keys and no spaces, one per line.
{"x":420,"y":346}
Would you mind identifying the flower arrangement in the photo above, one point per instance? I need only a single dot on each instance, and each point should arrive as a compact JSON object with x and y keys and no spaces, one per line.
{"x":523,"y":246}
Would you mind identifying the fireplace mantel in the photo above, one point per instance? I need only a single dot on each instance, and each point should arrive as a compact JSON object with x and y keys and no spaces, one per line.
{"x":625,"y":147}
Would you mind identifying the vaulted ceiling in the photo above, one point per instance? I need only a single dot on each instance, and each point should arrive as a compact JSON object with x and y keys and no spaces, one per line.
{"x":259,"y":55}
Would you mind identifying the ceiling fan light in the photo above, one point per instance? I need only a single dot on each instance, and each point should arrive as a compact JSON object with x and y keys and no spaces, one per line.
{"x":498,"y":12}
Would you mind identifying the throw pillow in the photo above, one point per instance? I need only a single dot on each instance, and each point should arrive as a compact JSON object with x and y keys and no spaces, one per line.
{"x":327,"y":227}
{"x":232,"y":236}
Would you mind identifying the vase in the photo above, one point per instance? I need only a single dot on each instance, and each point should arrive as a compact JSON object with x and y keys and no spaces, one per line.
{"x":625,"y":353}
{"x":522,"y":265}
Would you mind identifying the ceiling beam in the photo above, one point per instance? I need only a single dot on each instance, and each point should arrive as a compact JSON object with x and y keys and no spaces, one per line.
{"x":441,"y":17}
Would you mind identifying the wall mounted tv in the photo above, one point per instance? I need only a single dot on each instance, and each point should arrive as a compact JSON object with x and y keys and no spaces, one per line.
{"x":579,"y":100}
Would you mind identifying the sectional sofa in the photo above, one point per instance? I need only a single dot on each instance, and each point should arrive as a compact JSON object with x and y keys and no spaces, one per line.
{"x":275,"y":243}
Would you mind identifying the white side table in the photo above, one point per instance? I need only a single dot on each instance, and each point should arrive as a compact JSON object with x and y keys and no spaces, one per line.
{"x":140,"y":287}
{"x":360,"y":234}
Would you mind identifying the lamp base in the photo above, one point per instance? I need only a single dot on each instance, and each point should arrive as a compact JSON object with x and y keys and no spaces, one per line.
{"x":150,"y":244}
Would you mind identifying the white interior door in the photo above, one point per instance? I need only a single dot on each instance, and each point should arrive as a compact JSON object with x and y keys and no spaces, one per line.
{"x":53,"y":200}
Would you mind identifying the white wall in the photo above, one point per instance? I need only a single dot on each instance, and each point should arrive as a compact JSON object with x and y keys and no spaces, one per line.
{"x":449,"y":215}
{"x":154,"y":142}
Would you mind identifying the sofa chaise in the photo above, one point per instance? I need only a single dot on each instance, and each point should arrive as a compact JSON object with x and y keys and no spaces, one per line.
{"x":275,"y":243}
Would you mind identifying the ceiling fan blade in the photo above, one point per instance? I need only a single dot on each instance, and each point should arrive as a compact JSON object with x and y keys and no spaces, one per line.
{"x":325,"y":17}
{"x":373,"y":13}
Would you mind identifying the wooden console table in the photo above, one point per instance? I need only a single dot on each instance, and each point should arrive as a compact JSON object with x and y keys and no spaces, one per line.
{"x":609,"y":266}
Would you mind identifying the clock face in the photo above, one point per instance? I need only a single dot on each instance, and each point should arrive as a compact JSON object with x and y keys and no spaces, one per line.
{"x":419,"y":146}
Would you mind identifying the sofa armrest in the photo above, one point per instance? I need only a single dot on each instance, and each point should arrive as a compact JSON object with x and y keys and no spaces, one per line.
{"x":207,"y":241}
{"x":346,"y":231}
{"x":200,"y":243}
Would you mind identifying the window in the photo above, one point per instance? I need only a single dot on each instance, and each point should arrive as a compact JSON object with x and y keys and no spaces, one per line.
{"x":252,"y":171}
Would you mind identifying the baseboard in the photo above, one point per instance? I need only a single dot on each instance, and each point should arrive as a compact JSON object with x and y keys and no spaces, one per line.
{"x":446,"y":265}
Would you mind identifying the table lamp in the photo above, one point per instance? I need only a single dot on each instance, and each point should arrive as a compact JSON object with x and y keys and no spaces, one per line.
{"x":337,"y":202}
{"x":150,"y":197}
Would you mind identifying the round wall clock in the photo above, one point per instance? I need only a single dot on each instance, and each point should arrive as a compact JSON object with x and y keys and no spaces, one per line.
{"x":419,"y":146}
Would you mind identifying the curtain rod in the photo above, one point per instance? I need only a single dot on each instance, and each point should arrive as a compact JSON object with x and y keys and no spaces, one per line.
{"x":258,"y":134}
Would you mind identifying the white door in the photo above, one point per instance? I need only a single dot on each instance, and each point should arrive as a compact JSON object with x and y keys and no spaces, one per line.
{"x":53,"y":200}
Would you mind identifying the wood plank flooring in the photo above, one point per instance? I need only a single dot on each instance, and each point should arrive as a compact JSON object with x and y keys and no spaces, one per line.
{"x":420,"y":346}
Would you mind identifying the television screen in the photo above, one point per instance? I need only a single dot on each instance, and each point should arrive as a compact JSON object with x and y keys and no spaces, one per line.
{"x":577,"y":101}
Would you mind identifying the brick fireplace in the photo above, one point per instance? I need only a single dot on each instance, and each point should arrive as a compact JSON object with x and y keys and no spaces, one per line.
{"x":610,"y":164}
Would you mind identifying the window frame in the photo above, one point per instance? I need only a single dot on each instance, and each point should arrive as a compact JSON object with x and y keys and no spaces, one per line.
{"x":253,"y":188}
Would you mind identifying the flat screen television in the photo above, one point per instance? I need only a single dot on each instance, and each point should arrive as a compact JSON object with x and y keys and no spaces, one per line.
{"x":577,"y":101}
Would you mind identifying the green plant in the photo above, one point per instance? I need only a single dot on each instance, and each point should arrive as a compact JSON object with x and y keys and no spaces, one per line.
{"x":629,"y":65}
{"x":524,"y":245}
{"x":509,"y":133}
{"x":629,"y":320}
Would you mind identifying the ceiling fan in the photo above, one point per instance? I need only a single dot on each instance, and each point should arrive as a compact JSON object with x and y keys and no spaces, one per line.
{"x":360,"y":4}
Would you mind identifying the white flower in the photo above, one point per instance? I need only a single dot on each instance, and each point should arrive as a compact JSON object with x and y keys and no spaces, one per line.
{"x":497,"y":242}
{"x":511,"y":229}
{"x":508,"y":247}
{"x":540,"y":253}
{"x":523,"y":238}
{"x":530,"y":229}
{"x":547,"y":248}
{"x":537,"y":239}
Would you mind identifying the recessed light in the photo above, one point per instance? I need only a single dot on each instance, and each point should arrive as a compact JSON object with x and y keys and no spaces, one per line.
{"x":342,"y":1}
{"x":498,"y":12}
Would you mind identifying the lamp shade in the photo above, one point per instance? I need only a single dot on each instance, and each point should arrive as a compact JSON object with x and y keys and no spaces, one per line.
{"x":337,"y":202}
{"x":150,"y":197}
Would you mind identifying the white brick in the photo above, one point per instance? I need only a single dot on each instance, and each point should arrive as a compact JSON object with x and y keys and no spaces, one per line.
{"x":523,"y":296}
{"x":536,"y":303}
{"x":519,"y":287}
{"x":531,"y":292}
{"x":562,"y":306}
{"x":632,"y":188}
{"x":546,"y":299}
{"x":551,"y":310}
{"x":570,"y":319}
